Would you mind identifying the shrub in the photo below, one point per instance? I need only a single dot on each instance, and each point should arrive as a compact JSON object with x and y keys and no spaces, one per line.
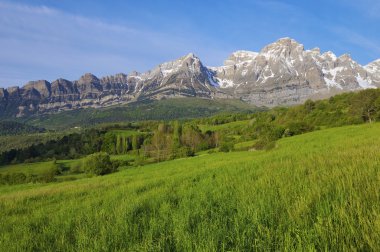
{"x":226,"y":147}
{"x":264,"y":144}
{"x":183,"y":152}
{"x":98,"y":164}
{"x":75,"y":168}
{"x":297,"y":128}
{"x":13,"y":178}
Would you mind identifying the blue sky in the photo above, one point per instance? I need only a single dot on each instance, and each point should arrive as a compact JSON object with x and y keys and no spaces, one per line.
{"x":48,"y":39}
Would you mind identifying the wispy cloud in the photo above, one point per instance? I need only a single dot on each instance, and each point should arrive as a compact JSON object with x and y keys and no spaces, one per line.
{"x":370,"y":8}
{"x":38,"y":42}
{"x":370,"y":46}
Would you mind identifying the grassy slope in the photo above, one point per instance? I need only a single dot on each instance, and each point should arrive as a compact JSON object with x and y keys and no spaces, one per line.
{"x":28,"y":168}
{"x":314,"y":191}
{"x":229,"y":126}
{"x":170,"y":109}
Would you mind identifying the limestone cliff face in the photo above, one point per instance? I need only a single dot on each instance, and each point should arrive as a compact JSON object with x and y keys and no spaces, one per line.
{"x":186,"y":76}
{"x":282,"y":73}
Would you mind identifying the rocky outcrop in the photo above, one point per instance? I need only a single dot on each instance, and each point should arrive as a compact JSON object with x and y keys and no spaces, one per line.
{"x":282,"y":73}
{"x":186,"y":76}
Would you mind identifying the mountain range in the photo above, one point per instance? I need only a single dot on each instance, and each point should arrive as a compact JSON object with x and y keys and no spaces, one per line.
{"x":282,"y":73}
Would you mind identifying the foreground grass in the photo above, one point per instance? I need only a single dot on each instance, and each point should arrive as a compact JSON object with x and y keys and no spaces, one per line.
{"x":318,"y":191}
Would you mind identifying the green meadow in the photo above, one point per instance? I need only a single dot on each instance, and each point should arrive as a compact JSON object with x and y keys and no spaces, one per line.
{"x":315,"y":191}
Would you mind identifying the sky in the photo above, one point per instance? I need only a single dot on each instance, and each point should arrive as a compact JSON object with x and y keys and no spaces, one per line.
{"x":50,"y":39}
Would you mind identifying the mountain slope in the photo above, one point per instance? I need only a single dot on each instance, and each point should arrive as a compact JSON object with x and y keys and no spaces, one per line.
{"x":282,"y":73}
{"x":177,"y":108}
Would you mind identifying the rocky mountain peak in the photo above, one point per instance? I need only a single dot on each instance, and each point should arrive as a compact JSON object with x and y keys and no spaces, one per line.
{"x":345,"y":57}
{"x":373,"y":67}
{"x":42,"y":87}
{"x":119,"y":78}
{"x":191,"y":56}
{"x":316,"y":50}
{"x":12,"y":90}
{"x":329,"y":55}
{"x":88,"y":78}
{"x":239,"y":57}
{"x":134,"y":74}
{"x":282,"y":73}
{"x":284,"y":47}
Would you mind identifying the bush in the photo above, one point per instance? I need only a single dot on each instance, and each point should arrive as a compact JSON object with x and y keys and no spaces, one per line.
{"x":75,"y":168}
{"x":48,"y":175}
{"x":118,"y":163}
{"x":13,"y":178}
{"x":98,"y":164}
{"x":264,"y":144}
{"x":226,"y":147}
{"x":183,"y":152}
{"x":297,"y":128}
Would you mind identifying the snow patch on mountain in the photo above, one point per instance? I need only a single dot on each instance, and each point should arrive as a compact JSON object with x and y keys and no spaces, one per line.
{"x":363,"y":83}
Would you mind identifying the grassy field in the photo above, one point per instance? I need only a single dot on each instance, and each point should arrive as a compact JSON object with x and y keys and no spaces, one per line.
{"x":125,"y":133}
{"x":27,"y":168}
{"x":317,"y":191}
{"x":229,"y":126}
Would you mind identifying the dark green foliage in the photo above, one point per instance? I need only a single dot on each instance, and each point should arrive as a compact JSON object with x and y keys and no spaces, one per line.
{"x":267,"y":135}
{"x":49,"y":175}
{"x":366,"y":105}
{"x":226,"y":147}
{"x":70,"y":146}
{"x":10,"y":142}
{"x":14,"y":178}
{"x":16,"y":128}
{"x":76,"y":168}
{"x":297,"y":128}
{"x":183,"y":152}
{"x":109,"y":141}
{"x":98,"y":164}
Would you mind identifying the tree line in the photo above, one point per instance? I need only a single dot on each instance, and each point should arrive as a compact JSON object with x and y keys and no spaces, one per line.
{"x":174,"y":139}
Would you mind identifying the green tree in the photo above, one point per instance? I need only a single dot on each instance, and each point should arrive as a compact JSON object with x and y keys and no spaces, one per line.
{"x":135,"y":142}
{"x":309,"y":105}
{"x":366,"y":105}
{"x":191,"y":136}
{"x":98,"y":164}
{"x":109,"y":141}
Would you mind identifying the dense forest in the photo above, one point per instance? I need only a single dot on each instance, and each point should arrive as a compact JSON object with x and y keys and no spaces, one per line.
{"x":16,"y":128}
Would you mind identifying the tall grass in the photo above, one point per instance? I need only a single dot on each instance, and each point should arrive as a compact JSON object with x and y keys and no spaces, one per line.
{"x":317,"y":191}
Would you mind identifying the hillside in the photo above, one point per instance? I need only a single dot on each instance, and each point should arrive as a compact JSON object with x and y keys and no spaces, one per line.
{"x":184,"y":108}
{"x":15,"y":128}
{"x":79,"y":135}
{"x":321,"y":196}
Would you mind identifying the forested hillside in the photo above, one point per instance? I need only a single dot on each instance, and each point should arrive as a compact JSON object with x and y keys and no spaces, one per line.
{"x":166,"y":109}
{"x":155,"y":141}
{"x":16,"y":128}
